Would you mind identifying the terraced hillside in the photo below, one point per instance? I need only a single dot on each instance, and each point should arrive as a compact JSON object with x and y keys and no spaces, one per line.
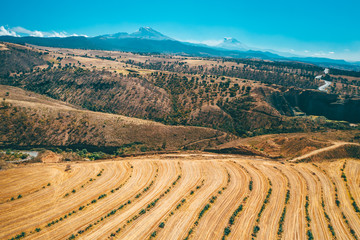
{"x":181,"y":196}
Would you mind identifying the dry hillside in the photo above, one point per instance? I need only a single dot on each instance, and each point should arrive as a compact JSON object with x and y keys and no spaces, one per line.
{"x":245,"y":98}
{"x":299,"y":146}
{"x":29,"y":119}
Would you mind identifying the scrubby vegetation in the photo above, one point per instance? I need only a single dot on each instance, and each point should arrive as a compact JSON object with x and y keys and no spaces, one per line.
{"x":308,"y":219}
{"x":215,"y":100}
{"x":227,"y":230}
{"x":282,"y":217}
{"x":147,"y":209}
{"x":266,"y":201}
{"x":10,"y":155}
{"x":159,"y":196}
{"x":178,"y":206}
{"x":244,"y":97}
{"x":353,"y":202}
{"x":207,"y":207}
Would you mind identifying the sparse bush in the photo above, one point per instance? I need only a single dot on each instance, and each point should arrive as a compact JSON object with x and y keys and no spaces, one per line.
{"x":227,"y":231}
{"x":251,"y":185}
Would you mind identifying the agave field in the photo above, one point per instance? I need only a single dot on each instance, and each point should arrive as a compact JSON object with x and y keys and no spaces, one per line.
{"x":182,"y":196}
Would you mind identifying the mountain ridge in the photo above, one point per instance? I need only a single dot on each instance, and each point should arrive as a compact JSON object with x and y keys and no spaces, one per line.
{"x":149,"y":40}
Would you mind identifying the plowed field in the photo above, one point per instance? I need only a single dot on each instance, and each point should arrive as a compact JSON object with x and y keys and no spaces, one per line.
{"x":182,"y":196}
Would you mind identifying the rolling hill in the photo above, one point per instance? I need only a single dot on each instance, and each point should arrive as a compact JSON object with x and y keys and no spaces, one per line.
{"x":28,"y":119}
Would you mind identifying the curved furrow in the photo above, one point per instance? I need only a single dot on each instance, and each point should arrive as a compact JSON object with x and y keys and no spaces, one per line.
{"x":216,"y":219}
{"x":346,"y":206}
{"x":212,"y":200}
{"x":319,"y":225}
{"x":167,"y":174}
{"x":215,"y":177}
{"x":270,"y":218}
{"x":353,"y":172}
{"x":147,"y":225}
{"x":62,"y":229}
{"x":58,"y":174}
{"x":295,"y":223}
{"x":243,"y":226}
{"x":17,"y":181}
{"x":332,"y":210}
{"x":40,"y":206}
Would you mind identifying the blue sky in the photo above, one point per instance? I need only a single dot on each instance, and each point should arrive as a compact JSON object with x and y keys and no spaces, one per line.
{"x":308,"y":27}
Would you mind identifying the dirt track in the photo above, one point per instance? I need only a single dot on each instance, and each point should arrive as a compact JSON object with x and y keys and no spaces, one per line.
{"x":163,"y":198}
{"x":334,"y":145}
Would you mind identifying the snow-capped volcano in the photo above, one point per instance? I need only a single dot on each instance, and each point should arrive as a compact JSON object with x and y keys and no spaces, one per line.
{"x":143,"y":32}
{"x":232,"y":44}
{"x":149,"y":33}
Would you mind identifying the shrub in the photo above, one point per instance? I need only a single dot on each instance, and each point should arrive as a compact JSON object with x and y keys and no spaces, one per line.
{"x":310,"y":235}
{"x":250,"y":185}
{"x":256,"y":230}
{"x":227,"y":231}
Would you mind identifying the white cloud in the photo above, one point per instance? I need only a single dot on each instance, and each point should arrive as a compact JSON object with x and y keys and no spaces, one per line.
{"x":331,"y":52}
{"x":28,"y":32}
{"x":37,"y":33}
{"x":77,"y":35}
{"x":6,"y":32}
{"x":56,"y":34}
{"x":63,"y":34}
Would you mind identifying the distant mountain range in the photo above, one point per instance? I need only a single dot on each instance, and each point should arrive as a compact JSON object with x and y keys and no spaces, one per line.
{"x":149,"y":40}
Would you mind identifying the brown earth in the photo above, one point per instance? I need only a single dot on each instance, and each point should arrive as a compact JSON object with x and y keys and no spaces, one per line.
{"x":163,"y":196}
{"x":49,"y":157}
{"x":299,"y":146}
{"x":30,"y":119}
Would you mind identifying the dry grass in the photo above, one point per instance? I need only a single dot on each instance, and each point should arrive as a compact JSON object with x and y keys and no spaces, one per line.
{"x":300,"y":145}
{"x":190,"y":180}
{"x":63,"y":124}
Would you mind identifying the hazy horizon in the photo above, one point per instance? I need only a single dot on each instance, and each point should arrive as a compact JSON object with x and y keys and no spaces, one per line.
{"x":314,"y":29}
